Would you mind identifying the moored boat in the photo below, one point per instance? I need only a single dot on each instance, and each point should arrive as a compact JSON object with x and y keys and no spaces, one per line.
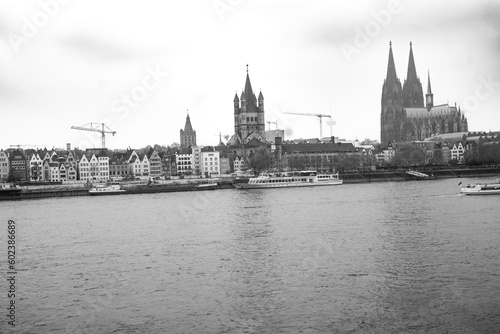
{"x":112,"y":189}
{"x":291,"y":179}
{"x":207,"y":186}
{"x":481,"y":189}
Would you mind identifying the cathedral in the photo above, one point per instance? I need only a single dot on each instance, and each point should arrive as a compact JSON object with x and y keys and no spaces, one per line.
{"x":248,"y":116}
{"x":404,"y":115}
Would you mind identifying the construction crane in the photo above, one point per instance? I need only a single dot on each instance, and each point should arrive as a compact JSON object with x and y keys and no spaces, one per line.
{"x":269,"y":124}
{"x":96,"y":127}
{"x":27,"y":145}
{"x":320,"y":116}
{"x":226,"y":137}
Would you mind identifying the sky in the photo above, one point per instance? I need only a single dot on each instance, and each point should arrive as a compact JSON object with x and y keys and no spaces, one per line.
{"x":140,"y":66}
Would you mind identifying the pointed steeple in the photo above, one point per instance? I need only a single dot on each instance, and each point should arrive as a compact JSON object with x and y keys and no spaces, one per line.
{"x":413,"y":93}
{"x":391,"y":68}
{"x":429,"y":97}
{"x":236,"y":99}
{"x":188,"y":135}
{"x":188,"y":128}
{"x":412,"y":71}
{"x":248,"y":90}
{"x":429,"y":90}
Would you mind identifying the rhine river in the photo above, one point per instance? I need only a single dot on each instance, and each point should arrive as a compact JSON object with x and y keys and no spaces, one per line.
{"x":393,"y":257}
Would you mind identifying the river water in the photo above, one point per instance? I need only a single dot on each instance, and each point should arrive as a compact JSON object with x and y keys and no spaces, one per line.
{"x":395,"y":257}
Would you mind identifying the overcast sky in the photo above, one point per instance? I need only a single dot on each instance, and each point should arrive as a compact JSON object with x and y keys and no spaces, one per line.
{"x":139,"y":65}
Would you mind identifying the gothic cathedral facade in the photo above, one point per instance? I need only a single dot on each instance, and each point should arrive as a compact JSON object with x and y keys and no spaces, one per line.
{"x":405,"y":117}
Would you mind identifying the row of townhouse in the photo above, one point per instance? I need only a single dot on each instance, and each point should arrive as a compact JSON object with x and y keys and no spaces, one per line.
{"x":202,"y":161}
{"x":100,"y":165}
{"x":52,"y":166}
{"x":136,"y":165}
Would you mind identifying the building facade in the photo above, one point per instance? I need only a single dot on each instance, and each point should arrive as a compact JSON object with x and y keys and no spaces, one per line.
{"x":405,"y":116}
{"x":19,"y":163}
{"x":210,"y":163}
{"x":184,"y":162}
{"x":4,"y":166}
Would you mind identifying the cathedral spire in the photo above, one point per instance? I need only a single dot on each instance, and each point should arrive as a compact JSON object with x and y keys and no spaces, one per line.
{"x":413,"y":93}
{"x":429,"y":90}
{"x":391,"y":68}
{"x":429,"y":97}
{"x":412,"y":71}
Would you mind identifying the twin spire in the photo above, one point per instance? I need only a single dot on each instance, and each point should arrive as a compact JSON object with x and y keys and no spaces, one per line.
{"x":412,"y":89}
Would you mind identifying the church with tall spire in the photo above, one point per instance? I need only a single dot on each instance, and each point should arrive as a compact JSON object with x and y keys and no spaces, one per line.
{"x":404,"y":117}
{"x":249,"y":122}
{"x":188,"y":135}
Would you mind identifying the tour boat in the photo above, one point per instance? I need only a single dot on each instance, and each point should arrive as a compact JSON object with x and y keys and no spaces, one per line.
{"x":291,"y":179}
{"x":481,"y":189}
{"x":113,"y":189}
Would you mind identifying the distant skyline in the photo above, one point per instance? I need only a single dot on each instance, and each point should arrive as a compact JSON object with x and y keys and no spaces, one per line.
{"x":139,"y":66}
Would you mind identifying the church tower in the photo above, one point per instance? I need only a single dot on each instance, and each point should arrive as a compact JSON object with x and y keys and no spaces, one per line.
{"x":412,"y":88}
{"x":248,"y":112}
{"x":392,"y":115}
{"x":188,"y":136}
{"x":429,"y":97}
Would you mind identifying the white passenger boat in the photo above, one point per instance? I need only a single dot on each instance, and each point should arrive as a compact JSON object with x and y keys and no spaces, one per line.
{"x":291,"y":179}
{"x":106,"y":190}
{"x":481,"y":189}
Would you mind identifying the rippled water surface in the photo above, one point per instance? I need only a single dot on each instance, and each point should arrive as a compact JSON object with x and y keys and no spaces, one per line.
{"x":402,"y":257}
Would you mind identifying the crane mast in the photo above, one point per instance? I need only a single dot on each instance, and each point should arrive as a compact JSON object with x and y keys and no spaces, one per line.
{"x":320,"y":116}
{"x":96,"y":127}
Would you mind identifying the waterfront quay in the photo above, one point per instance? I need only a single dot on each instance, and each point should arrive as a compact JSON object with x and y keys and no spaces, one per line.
{"x":30,"y":191}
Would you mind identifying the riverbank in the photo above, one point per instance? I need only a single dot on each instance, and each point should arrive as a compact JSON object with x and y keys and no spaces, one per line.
{"x":34,"y":192}
{"x":401,"y":175}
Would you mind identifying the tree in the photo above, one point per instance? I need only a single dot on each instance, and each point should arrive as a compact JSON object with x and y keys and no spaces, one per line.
{"x":416,"y":156}
{"x":260,"y":159}
{"x":14,"y":175}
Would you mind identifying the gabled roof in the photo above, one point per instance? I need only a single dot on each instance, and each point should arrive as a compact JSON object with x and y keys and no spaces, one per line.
{"x":235,"y":140}
{"x":254,"y":142}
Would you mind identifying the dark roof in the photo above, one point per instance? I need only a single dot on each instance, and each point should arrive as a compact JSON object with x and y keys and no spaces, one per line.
{"x":150,"y":152}
{"x":319,"y":148}
{"x":188,"y":128}
{"x":249,"y":96}
{"x":186,"y":150}
{"x":254,"y":142}
{"x":207,"y":149}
